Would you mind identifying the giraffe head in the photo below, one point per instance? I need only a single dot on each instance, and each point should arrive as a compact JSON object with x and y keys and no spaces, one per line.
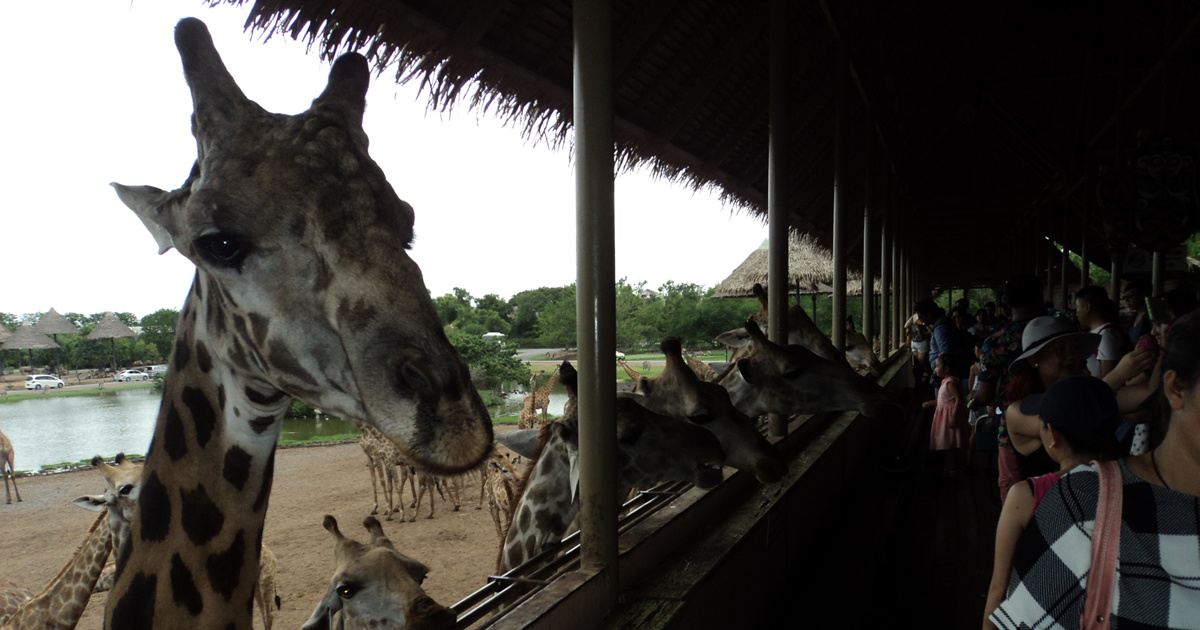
{"x":304,"y":287}
{"x":861,"y":355}
{"x":376,"y":586}
{"x":679,"y":393}
{"x":651,"y":447}
{"x":123,"y":481}
{"x":792,"y":380}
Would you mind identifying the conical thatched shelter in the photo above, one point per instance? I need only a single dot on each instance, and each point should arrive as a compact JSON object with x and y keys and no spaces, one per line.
{"x":110,"y":327}
{"x":54,"y":324}
{"x":26,"y":338}
{"x":810,"y":271}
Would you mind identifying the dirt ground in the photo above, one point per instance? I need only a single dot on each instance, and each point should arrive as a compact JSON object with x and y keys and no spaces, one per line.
{"x":42,"y":532}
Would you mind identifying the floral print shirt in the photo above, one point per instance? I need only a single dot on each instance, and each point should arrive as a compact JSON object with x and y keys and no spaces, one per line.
{"x":999,"y":350}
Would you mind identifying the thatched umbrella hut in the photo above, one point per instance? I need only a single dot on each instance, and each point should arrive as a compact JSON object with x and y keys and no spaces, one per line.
{"x":810,"y":271}
{"x":26,"y":338}
{"x":110,"y":327}
{"x":54,"y":324}
{"x":5,"y":333}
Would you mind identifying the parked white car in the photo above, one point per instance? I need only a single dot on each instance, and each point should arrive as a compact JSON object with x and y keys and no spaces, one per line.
{"x":131,"y":375}
{"x":42,"y":381}
{"x":158,"y":370}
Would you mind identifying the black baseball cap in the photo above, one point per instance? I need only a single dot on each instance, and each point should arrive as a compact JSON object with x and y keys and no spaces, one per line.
{"x":1082,"y":407}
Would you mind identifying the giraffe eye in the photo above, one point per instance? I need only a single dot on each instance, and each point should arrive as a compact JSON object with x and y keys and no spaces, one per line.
{"x":221,"y":249}
{"x":346,"y":591}
{"x":126,"y":489}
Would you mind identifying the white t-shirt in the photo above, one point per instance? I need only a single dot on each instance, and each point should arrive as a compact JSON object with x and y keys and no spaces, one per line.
{"x":1109,"y":350}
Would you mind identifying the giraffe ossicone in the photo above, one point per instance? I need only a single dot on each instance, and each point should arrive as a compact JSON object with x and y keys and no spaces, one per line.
{"x":303,"y":289}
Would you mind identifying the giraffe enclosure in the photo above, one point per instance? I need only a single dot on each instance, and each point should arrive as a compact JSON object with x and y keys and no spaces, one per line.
{"x":43,"y":532}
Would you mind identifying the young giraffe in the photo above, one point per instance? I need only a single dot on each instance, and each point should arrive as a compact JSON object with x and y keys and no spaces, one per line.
{"x":124,"y":480}
{"x":62,"y":602}
{"x":702,"y":370}
{"x":528,"y":416}
{"x":376,"y":586}
{"x":633,"y":374}
{"x":541,"y":396}
{"x":500,"y":481}
{"x":7,"y":457}
{"x":303,"y":289}
{"x":650,"y":449}
{"x":384,"y":457}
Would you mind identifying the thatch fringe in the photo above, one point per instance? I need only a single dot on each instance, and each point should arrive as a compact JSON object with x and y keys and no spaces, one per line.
{"x":451,"y":73}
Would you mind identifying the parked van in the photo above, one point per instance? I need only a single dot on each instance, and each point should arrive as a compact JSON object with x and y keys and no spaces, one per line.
{"x":158,"y":370}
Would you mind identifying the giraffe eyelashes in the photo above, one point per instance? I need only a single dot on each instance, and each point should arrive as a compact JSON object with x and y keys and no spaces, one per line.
{"x":126,"y":489}
{"x":221,"y":249}
{"x":346,"y":591}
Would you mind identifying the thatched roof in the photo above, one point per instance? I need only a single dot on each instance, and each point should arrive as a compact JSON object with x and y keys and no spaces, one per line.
{"x":54,"y":324}
{"x":111,"y":327}
{"x":977,"y":139}
{"x":26,"y":338}
{"x":810,"y":270}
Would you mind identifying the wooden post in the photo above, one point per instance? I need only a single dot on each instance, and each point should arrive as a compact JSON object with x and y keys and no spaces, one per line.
{"x":868,"y":272}
{"x":885,"y":280}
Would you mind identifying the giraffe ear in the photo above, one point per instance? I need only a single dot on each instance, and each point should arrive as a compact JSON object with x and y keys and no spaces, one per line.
{"x":322,"y":617}
{"x":147,"y":202}
{"x":91,"y":503}
{"x":735,"y":338}
{"x":643,"y":386}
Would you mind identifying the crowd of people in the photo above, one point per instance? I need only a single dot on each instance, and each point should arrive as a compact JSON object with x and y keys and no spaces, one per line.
{"x":1055,"y":398}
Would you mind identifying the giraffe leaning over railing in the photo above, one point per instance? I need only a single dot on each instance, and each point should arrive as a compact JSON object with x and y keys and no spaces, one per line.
{"x":374,"y":585}
{"x":652,"y":448}
{"x":303,"y":289}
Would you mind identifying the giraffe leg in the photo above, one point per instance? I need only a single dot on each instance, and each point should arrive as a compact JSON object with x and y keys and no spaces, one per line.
{"x":265,"y":593}
{"x":436,"y":485}
{"x":389,"y":475}
{"x":417,"y":506}
{"x":495,"y":510}
{"x":12,"y":473}
{"x":483,"y":479}
{"x":374,"y":490}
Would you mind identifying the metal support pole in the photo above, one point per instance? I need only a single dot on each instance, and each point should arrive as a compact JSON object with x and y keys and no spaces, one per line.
{"x":898,"y":310}
{"x":1156,"y":275}
{"x":596,"y":297}
{"x":1085,"y":273}
{"x":1065,"y":260}
{"x":841,"y":103}
{"x":777,"y":177}
{"x":885,"y":280}
{"x":868,"y":271}
{"x":1114,"y":284}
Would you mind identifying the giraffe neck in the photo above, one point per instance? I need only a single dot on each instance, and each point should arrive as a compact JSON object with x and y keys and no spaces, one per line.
{"x":62,"y":602}
{"x":193,"y":550}
{"x":545,"y":509}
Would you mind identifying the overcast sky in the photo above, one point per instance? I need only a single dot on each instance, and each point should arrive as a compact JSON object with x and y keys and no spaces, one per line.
{"x":94,"y":94}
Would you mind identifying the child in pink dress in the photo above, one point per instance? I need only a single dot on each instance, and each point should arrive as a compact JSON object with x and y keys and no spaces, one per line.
{"x":948,"y":434}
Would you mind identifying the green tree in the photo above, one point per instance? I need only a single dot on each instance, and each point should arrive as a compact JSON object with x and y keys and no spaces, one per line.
{"x":495,"y":359}
{"x":557,"y":320}
{"x":10,"y":321}
{"x":526,"y":308}
{"x":158,"y":328}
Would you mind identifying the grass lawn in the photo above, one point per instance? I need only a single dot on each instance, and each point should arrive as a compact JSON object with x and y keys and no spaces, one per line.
{"x":6,"y":397}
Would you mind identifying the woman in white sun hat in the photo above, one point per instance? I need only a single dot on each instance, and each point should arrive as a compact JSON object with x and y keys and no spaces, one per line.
{"x":1054,"y":347}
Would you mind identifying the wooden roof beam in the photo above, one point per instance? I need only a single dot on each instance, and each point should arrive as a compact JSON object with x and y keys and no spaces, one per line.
{"x":480,"y":16}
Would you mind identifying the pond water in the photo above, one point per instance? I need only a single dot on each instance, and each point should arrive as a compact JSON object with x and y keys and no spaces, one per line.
{"x":52,"y":430}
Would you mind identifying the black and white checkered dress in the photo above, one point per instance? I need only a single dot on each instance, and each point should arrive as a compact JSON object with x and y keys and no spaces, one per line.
{"x":1158,"y":574}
